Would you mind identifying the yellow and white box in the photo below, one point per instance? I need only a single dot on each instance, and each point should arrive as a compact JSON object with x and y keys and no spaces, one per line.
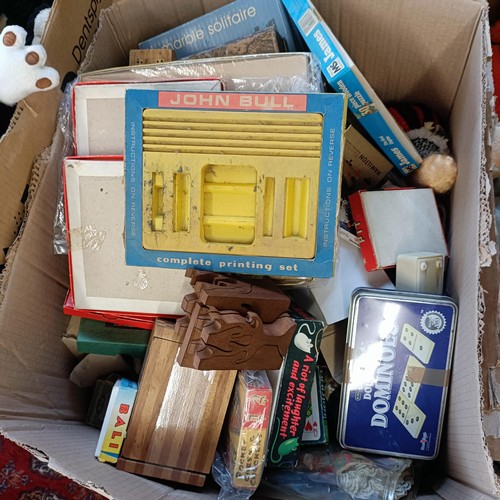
{"x":114,"y":428}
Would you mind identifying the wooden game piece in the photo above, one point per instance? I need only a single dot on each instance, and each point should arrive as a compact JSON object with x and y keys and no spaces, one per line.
{"x":177,"y":419}
{"x":191,"y":334}
{"x":226,"y":340}
{"x":190,"y":330}
{"x":150,"y":56}
{"x":245,"y":343}
{"x":227,"y":293}
{"x":233,"y":325}
{"x":198,"y":275}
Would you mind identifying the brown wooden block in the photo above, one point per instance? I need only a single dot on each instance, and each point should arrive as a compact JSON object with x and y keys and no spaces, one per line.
{"x":178,"y":414}
{"x":228,"y":293}
{"x":198,"y":275}
{"x":191,"y":335}
{"x":150,"y":56}
{"x":161,"y":472}
{"x":189,"y":301}
{"x":227,"y":340}
{"x":245,"y":343}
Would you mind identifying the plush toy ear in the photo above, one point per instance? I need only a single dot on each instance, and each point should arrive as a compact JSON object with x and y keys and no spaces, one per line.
{"x":22,"y":68}
{"x":40,"y":23}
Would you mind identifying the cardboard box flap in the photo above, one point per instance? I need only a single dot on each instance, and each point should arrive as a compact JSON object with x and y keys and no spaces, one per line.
{"x":450,"y":489}
{"x":466,"y":452}
{"x":34,"y":120}
{"x":70,"y":451}
{"x":399,"y":62}
{"x":35,"y":363}
{"x":437,"y":61}
{"x":35,"y":367}
{"x":490,"y":262}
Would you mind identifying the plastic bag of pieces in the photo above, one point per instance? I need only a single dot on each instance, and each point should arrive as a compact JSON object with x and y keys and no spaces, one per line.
{"x":223,"y":478}
{"x":332,"y":472}
{"x":65,"y":126}
{"x":241,"y":454}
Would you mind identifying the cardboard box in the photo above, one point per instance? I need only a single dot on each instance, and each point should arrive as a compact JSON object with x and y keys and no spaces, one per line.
{"x":267,"y":41}
{"x":99,"y":112}
{"x":143,"y":320}
{"x":99,"y":402}
{"x":344,"y":76}
{"x":364,"y":166}
{"x":292,"y":385}
{"x":98,"y":337}
{"x":114,"y":427}
{"x":100,"y":278}
{"x":284,"y":72}
{"x":442,"y":68}
{"x":390,"y":222}
{"x":247,"y":427}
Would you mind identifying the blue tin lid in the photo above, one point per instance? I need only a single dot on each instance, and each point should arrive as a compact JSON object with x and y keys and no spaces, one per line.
{"x":396,"y":372}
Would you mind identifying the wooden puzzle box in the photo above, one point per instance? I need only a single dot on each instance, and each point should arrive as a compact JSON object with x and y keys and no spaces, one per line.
{"x":430,"y":51}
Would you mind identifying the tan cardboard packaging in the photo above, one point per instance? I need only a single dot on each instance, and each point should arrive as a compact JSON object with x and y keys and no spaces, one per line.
{"x":430,"y":51}
{"x":364,"y":165}
{"x":68,"y":34}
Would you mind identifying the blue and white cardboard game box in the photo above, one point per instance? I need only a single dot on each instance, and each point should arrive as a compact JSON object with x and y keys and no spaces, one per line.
{"x":231,"y":22}
{"x":281,"y":179}
{"x":397,"y":367}
{"x":344,"y":76}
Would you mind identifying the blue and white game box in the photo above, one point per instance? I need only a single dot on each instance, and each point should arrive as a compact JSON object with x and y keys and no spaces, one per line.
{"x":344,"y":76}
{"x":396,"y":372}
{"x":226,"y":24}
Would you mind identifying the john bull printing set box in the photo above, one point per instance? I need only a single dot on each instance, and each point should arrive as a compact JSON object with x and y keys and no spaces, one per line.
{"x":233,"y":182}
{"x":396,"y":374}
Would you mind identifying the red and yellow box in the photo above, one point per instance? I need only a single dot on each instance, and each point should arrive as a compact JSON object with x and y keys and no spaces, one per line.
{"x":248,"y":425}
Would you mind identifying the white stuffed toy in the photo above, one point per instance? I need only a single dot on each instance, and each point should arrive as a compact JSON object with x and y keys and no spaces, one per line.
{"x":22,"y":68}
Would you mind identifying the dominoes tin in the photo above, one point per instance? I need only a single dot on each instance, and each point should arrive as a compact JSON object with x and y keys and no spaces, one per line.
{"x":396,"y":372}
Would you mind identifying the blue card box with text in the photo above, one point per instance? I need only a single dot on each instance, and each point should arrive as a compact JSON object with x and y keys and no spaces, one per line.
{"x":279,"y":157}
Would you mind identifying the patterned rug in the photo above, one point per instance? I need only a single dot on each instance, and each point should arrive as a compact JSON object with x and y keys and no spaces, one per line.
{"x":25,"y":477}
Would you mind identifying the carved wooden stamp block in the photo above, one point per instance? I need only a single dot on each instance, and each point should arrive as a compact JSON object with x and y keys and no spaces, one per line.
{"x":231,"y":325}
{"x":228,"y":293}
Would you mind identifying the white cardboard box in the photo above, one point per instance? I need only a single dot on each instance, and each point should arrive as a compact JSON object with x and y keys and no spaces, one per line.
{"x":394,"y":221}
{"x":99,"y":112}
{"x":100,"y":278}
{"x":431,"y":51}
